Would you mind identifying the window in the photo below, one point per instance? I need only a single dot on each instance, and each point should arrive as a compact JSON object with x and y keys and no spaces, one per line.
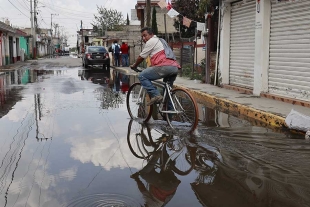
{"x":96,"y":49}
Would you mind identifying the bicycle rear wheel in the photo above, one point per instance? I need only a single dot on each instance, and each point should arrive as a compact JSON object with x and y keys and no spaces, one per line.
{"x":136,"y":101}
{"x":186,"y":110}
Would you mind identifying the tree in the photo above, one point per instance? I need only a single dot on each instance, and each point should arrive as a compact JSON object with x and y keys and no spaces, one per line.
{"x":128,"y":22}
{"x":154,"y":21}
{"x":192,"y":9}
{"x":108,"y":19}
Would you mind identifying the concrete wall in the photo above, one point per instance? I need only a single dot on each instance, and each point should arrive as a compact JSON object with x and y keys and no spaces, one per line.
{"x":23,"y":45}
{"x":1,"y":49}
{"x":14,"y":50}
{"x":131,"y":35}
{"x":161,"y":23}
{"x":41,"y":50}
{"x":97,"y":42}
{"x":7,"y":50}
{"x":262,"y":35}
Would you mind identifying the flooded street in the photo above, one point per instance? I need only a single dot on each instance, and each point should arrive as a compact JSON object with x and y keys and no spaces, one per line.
{"x":67,"y":140}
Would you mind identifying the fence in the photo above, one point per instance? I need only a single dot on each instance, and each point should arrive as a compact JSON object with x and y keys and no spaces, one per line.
{"x":187,"y":56}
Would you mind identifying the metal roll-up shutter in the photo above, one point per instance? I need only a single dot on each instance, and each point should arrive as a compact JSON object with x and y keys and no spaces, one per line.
{"x":242,"y":43}
{"x":289,"y":64}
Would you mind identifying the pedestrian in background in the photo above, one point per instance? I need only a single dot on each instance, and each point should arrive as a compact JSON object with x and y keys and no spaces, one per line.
{"x":116,"y":53}
{"x":125,"y":55}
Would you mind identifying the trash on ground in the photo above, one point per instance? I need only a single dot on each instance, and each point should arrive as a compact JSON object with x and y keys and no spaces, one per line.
{"x":296,"y":120}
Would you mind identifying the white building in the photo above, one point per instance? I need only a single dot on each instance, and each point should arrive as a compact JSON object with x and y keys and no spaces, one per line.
{"x":265,"y":46}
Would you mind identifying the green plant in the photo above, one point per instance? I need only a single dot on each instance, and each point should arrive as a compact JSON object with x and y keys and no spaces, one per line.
{"x":187,"y":71}
{"x":154,"y":22}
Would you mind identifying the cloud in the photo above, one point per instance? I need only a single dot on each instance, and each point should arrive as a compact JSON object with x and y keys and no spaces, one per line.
{"x":104,"y":151}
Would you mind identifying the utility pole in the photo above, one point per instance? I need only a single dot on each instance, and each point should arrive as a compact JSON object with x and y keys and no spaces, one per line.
{"x":83,"y":43}
{"x":208,"y":42}
{"x":32,"y":29}
{"x":148,"y":13}
{"x":36,"y":26}
{"x":57,"y":29}
{"x":166,"y":36}
{"x":55,"y":26}
{"x":52,"y":43}
{"x":52,"y":23}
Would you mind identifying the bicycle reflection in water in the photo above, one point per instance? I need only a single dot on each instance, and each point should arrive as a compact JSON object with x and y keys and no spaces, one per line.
{"x":165,"y":156}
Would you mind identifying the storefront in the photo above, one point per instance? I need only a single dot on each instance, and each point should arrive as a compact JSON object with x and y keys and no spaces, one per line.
{"x":242,"y":43}
{"x":289,"y":65}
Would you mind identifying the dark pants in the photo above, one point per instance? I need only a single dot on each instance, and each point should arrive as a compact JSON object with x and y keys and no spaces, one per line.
{"x":116,"y":59}
{"x":125,"y":62}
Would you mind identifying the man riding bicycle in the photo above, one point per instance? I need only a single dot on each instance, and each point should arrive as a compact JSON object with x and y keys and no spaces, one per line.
{"x":163,"y":64}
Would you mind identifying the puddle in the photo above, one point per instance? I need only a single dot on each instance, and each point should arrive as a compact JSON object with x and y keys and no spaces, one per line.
{"x":67,"y":140}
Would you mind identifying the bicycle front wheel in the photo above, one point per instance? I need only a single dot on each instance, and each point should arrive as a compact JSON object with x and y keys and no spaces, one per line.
{"x":184,"y":110}
{"x":139,"y":141}
{"x":136,"y":101}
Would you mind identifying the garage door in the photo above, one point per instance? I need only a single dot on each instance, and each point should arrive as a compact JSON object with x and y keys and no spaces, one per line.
{"x":289,"y":65}
{"x":242,"y":43}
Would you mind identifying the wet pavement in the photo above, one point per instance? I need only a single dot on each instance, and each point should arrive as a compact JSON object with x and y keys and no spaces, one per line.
{"x":67,"y":140}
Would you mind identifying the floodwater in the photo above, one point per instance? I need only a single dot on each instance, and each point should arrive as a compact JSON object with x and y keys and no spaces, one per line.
{"x":66,"y":140}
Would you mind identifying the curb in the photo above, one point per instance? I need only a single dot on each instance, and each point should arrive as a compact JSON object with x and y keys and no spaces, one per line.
{"x":238,"y":109}
{"x":15,"y":66}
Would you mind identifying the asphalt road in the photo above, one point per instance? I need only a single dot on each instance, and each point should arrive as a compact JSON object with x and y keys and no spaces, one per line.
{"x":67,"y":140}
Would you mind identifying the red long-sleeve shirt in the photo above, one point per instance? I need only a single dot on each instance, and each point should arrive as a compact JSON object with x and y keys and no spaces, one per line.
{"x":124,"y":49}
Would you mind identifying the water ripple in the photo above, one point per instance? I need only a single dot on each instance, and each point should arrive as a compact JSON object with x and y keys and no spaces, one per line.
{"x":114,"y":200}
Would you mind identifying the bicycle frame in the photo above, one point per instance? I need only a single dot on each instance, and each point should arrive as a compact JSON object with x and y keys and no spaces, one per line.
{"x":178,"y":106}
{"x":167,"y":91}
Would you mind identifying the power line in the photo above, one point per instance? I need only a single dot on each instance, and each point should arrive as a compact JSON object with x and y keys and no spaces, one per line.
{"x":18,"y":9}
{"x":27,"y":8}
{"x":72,"y":18}
{"x":111,"y":2}
{"x":43,"y":19}
{"x":64,"y":8}
{"x":25,"y":2}
{"x":3,"y":9}
{"x":67,"y":13}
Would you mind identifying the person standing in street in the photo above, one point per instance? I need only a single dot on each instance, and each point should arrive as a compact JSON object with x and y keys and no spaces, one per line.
{"x":116,"y":53}
{"x":125,"y":55}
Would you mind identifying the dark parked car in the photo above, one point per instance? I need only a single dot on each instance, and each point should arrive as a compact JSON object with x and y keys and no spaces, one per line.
{"x":96,"y":76}
{"x":96,"y":55}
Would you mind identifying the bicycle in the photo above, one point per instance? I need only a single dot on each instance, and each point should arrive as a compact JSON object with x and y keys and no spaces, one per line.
{"x":178,"y":107}
{"x":160,"y":148}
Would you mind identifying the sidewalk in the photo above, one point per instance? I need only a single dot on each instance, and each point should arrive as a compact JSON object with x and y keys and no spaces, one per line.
{"x":16,"y":65}
{"x":268,"y":111}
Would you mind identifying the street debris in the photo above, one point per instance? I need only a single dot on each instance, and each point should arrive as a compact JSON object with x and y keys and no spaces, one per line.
{"x":298,"y":121}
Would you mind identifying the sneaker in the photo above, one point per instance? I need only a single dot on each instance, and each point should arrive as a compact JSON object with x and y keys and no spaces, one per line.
{"x":156,"y":99}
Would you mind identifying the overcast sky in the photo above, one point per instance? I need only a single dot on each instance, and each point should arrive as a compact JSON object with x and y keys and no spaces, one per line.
{"x":71,"y":12}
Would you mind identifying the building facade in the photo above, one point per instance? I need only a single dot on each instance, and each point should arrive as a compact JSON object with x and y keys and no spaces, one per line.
{"x":161,"y":15}
{"x":10,"y":51}
{"x":265,"y":47}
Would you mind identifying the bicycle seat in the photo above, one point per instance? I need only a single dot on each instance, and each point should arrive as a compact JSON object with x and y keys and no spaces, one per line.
{"x":170,"y":78}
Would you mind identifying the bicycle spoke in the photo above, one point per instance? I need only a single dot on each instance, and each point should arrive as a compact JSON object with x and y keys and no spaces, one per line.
{"x":184,"y":109}
{"x":137,"y":98}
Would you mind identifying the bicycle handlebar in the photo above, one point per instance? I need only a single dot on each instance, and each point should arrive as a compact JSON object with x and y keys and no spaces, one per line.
{"x":136,"y":69}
